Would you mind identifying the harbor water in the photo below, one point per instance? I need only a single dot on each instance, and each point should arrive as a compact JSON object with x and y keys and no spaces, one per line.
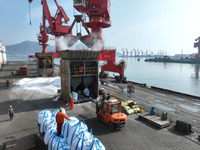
{"x":178,"y":77}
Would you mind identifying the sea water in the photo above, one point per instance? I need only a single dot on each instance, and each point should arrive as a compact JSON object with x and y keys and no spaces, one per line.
{"x":178,"y":77}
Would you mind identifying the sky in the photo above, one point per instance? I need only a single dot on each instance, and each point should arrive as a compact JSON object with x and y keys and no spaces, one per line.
{"x":168,"y":25}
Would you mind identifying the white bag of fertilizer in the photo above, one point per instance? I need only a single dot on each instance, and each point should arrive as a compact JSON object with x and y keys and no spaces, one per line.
{"x":95,"y":145}
{"x":82,"y":141}
{"x":67,"y":125}
{"x":88,"y":139}
{"x":59,"y":142}
{"x":50,"y":142}
{"x":75,"y":130}
{"x":77,"y":143}
{"x":44,"y":124}
{"x":44,"y":114}
{"x":50,"y":130}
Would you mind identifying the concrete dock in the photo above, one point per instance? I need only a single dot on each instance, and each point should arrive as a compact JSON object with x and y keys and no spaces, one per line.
{"x":135,"y":135}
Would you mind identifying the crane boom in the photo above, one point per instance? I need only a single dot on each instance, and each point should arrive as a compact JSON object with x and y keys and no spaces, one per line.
{"x":56,"y":26}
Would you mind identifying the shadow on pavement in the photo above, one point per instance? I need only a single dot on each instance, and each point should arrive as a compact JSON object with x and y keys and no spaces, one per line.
{"x":98,"y":127}
{"x":148,"y":124}
{"x":20,"y":105}
{"x":4,"y":120}
{"x":31,"y":142}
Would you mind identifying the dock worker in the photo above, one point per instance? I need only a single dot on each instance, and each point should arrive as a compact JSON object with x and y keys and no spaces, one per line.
{"x":71,"y":102}
{"x":10,"y":112}
{"x":60,"y":119}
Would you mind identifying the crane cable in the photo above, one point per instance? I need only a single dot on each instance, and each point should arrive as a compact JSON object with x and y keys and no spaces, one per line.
{"x":30,"y":12}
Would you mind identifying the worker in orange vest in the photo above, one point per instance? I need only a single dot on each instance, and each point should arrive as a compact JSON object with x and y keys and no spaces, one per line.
{"x":71,"y":103}
{"x":60,"y":119}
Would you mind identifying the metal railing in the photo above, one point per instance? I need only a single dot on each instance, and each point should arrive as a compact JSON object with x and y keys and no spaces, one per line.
{"x":88,"y":70}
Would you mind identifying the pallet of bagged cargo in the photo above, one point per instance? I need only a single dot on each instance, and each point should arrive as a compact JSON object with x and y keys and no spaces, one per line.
{"x":74,"y":134}
{"x":130,"y":107}
{"x":157,"y":121}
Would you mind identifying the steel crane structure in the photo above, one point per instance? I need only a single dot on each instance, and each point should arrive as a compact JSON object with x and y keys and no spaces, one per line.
{"x":98,"y":12}
{"x":57,"y":25}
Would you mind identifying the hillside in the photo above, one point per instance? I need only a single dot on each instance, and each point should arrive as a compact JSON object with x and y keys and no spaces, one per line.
{"x":23,"y":48}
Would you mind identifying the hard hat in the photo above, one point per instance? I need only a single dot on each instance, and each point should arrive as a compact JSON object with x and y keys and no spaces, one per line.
{"x":61,"y":109}
{"x":10,"y":105}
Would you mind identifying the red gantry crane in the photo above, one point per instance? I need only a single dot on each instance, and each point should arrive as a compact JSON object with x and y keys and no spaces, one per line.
{"x":98,"y":12}
{"x":57,"y":26}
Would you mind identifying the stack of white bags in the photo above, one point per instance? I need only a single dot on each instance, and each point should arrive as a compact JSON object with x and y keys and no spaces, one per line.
{"x":74,"y":135}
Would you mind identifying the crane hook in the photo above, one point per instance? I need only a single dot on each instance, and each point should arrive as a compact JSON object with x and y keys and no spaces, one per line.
{"x":30,"y":10}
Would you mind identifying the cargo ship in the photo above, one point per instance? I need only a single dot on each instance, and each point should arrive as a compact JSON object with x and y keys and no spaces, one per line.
{"x":174,"y":60}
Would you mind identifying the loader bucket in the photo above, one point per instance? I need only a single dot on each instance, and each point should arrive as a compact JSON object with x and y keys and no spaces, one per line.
{"x":88,"y":40}
{"x":70,"y":40}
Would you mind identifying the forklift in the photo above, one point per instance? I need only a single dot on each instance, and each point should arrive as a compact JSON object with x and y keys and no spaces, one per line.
{"x":110,"y":112}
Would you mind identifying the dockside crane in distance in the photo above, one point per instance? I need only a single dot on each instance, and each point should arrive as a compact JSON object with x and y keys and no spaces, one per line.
{"x":197,"y":45}
{"x":131,"y":53}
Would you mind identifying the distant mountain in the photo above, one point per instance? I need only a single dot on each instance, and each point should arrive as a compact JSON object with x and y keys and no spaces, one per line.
{"x":24,"y":48}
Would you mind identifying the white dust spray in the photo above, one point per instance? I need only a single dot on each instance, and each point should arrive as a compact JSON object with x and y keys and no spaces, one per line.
{"x":98,"y":43}
{"x":61,"y":43}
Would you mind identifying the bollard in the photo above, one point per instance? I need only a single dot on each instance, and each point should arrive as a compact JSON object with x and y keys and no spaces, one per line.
{"x":183,"y":127}
{"x":7,"y":83}
{"x":164,"y":116}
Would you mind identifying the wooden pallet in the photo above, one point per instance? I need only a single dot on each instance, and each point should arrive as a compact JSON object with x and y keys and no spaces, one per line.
{"x":157,"y":121}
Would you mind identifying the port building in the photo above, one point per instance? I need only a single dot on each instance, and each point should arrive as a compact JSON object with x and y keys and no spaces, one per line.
{"x":3,"y":59}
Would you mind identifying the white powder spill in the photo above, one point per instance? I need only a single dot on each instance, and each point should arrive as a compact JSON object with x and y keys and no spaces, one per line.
{"x":36,"y":88}
{"x":190,"y":108}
